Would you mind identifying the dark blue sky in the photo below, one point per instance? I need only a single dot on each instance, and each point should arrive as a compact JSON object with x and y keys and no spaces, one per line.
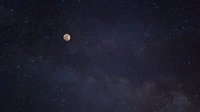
{"x":123,"y":56}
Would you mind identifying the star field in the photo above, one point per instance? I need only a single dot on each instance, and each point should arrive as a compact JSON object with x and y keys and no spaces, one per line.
{"x":123,"y":56}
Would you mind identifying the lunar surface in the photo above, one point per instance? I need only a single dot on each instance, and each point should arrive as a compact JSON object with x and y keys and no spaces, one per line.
{"x":66,"y":37}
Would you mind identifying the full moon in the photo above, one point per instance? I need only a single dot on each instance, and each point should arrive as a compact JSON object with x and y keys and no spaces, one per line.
{"x":66,"y":37}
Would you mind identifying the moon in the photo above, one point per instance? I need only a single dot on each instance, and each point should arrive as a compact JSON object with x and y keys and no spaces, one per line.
{"x":66,"y":37}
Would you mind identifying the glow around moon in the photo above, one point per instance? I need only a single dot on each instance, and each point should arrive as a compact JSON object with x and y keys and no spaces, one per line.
{"x":66,"y":37}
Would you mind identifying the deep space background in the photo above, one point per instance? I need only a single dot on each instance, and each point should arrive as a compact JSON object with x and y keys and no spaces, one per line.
{"x":123,"y":56}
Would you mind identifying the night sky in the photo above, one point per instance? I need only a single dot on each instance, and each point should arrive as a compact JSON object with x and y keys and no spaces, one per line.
{"x":123,"y":56}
